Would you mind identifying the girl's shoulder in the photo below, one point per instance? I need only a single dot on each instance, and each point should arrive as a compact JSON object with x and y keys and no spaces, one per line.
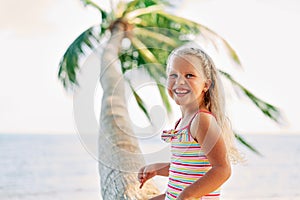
{"x":202,"y":124}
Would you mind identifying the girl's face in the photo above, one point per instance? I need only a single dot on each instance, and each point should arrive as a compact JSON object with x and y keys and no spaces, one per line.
{"x":186,"y":82}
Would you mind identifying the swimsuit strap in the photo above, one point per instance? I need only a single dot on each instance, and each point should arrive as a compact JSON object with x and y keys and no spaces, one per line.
{"x":199,"y":111}
{"x":190,"y":122}
{"x":188,"y":126}
{"x":176,"y":124}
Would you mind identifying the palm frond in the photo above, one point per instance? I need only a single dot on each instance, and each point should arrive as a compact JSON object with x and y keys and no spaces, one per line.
{"x":140,"y":102}
{"x":245,"y":143}
{"x":188,"y":26}
{"x":164,"y":97}
{"x":208,"y":33}
{"x":158,"y":37}
{"x":142,"y":11}
{"x":144,"y":51}
{"x":137,"y":4}
{"x":121,"y":8}
{"x":93,"y":4}
{"x":153,"y":67}
{"x":267,"y":109}
{"x":69,"y":63}
{"x":203,"y":30}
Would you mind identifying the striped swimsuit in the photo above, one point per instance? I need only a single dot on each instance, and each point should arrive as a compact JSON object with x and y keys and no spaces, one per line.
{"x":188,"y":162}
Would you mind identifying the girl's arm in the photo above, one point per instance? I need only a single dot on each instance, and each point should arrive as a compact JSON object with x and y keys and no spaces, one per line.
{"x":206,"y":131}
{"x":149,"y":171}
{"x":159,"y":197}
{"x":162,"y":169}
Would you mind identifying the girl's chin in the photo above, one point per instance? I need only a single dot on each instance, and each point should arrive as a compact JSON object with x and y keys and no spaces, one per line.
{"x":182,"y":102}
{"x":185,"y":102}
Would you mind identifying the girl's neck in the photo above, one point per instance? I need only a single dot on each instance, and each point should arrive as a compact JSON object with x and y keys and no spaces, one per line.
{"x":187,"y":111}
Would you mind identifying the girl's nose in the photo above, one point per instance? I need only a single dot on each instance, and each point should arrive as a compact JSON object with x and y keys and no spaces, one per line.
{"x":180,"y":80}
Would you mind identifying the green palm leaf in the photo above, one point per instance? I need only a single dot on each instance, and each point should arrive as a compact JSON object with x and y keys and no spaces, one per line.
{"x":183,"y":25}
{"x":142,"y":11}
{"x":140,"y":102}
{"x":164,"y":97}
{"x":144,"y":51}
{"x":245,"y":143}
{"x":69,"y":63}
{"x":153,"y":67}
{"x":137,"y":4}
{"x":267,"y":109}
{"x":91,"y":3}
{"x":158,"y":37}
{"x":203,"y":30}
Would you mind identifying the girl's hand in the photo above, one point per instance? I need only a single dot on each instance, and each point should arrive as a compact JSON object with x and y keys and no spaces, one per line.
{"x":146,"y":173}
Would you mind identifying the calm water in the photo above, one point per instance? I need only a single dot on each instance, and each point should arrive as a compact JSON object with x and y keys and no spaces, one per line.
{"x":275,"y":175}
{"x":43,"y":167}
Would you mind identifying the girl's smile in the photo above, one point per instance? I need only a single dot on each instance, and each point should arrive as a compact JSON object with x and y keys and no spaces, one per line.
{"x":181,"y":91}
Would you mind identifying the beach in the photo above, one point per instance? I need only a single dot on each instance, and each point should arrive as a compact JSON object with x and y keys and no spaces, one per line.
{"x":45,"y":166}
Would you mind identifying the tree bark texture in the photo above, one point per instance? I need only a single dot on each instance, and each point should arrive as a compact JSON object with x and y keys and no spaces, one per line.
{"x":119,"y":153}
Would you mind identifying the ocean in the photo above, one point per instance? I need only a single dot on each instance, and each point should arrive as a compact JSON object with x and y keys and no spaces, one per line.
{"x":45,"y":166}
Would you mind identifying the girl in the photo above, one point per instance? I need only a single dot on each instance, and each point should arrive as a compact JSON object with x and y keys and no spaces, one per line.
{"x":202,"y":141}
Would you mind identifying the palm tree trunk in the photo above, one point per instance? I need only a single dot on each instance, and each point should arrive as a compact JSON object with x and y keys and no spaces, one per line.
{"x":119,"y":153}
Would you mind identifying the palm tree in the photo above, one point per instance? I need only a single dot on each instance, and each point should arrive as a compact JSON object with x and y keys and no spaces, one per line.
{"x":151,"y":33}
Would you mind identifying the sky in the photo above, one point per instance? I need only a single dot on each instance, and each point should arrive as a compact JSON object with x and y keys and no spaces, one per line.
{"x":35,"y":34}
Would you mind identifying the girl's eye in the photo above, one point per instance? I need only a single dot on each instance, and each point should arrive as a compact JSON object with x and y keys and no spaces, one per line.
{"x":173,"y":75}
{"x":189,"y":76}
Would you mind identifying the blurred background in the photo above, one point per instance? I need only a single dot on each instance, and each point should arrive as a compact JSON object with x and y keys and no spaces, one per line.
{"x":42,"y":156}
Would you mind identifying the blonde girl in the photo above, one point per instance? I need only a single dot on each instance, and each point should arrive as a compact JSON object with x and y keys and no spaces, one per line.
{"x":202,"y":140}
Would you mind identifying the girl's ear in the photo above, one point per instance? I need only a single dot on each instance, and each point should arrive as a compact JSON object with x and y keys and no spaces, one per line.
{"x":207,"y":85}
